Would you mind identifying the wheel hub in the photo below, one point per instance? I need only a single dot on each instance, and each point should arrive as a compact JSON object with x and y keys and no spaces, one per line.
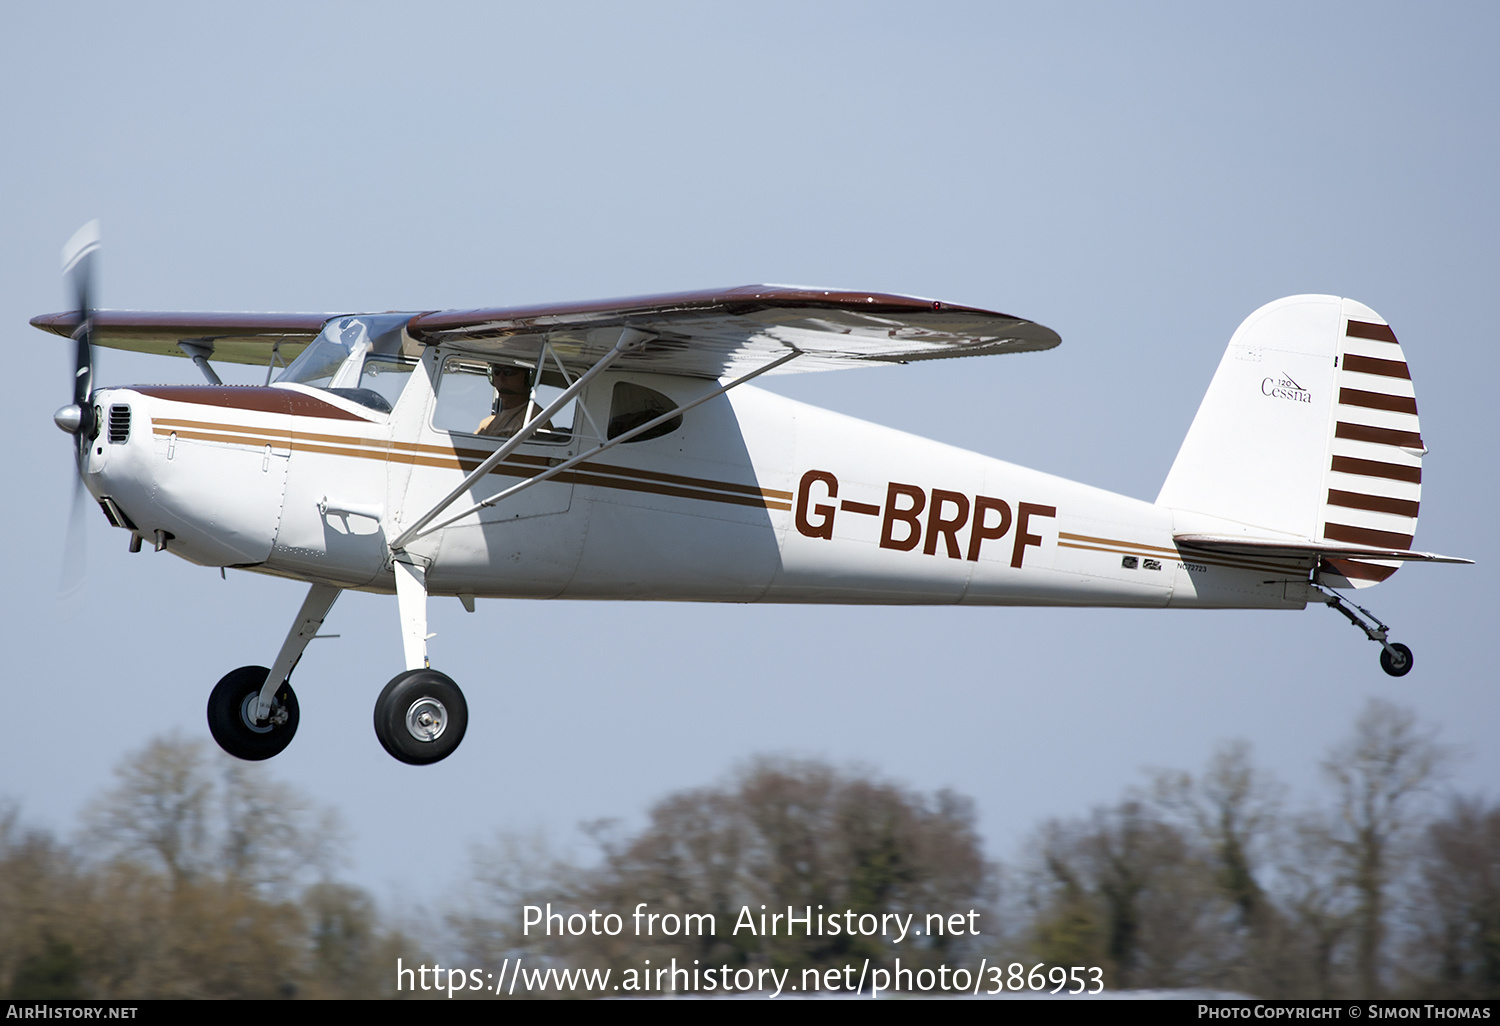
{"x":426,"y":719}
{"x":249,"y":707}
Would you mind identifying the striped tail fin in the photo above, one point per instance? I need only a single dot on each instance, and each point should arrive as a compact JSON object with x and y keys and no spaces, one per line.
{"x":1309,"y":434}
{"x":1375,"y":471}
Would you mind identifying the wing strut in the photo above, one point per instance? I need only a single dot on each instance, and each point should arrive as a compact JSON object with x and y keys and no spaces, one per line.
{"x":630,"y":338}
{"x":199,"y":352}
{"x":625,"y":436}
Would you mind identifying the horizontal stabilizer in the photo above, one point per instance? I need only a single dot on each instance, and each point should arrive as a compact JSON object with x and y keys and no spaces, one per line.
{"x":1246,"y":546}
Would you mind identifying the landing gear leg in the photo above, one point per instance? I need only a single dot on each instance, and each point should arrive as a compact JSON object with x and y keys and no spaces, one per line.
{"x":1395,"y":659}
{"x":421,"y":715}
{"x":252,"y":712}
{"x":309,"y":618}
{"x":411,"y":599}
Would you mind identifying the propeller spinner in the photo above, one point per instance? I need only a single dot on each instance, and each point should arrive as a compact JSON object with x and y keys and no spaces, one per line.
{"x":78,"y":267}
{"x":78,"y":418}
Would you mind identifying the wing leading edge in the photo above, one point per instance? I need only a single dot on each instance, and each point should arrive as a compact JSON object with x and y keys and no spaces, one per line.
{"x":715,"y":333}
{"x":708,"y":334}
{"x":233,"y":337}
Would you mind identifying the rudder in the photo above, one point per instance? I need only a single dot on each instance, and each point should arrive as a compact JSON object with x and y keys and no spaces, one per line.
{"x":1309,"y":432}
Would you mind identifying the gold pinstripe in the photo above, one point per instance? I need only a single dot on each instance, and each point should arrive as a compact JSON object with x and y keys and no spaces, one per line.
{"x":419,"y":454}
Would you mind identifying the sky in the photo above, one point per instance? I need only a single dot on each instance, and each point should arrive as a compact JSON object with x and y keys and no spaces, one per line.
{"x":1137,"y":177}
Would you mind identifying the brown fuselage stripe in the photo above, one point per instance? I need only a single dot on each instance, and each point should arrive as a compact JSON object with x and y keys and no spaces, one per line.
{"x":273,"y":441}
{"x":376,"y":444}
{"x":468,"y":460}
{"x":251,"y":397}
{"x":1205,"y":559}
{"x":1377,"y":401}
{"x":665,"y":489}
{"x":1374,"y":503}
{"x":1366,"y":536}
{"x":473,"y":456}
{"x":1377,"y":468}
{"x":1135,"y":547}
{"x":1370,"y":365}
{"x":276,"y":435}
{"x":1355,"y":570}
{"x":653,"y":475}
{"x":1365,"y":329}
{"x":1127,"y":548}
{"x":1378,"y":435}
{"x":1243,"y":563}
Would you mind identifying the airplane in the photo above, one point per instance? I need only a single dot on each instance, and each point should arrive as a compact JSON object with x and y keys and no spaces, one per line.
{"x":615,"y":449}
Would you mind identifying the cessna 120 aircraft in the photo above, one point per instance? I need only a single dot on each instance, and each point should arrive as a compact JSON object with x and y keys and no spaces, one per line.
{"x":615,"y":449}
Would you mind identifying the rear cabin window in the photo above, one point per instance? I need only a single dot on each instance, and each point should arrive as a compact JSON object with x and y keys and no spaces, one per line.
{"x":632,"y":405}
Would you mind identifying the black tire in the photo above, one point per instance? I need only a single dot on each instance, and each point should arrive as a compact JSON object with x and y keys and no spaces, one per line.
{"x":230,"y":722}
{"x":1399,"y":666}
{"x":406,"y":701}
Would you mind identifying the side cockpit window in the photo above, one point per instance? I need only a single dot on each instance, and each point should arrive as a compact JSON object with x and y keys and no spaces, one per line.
{"x":632,"y":405}
{"x":478,"y":397}
{"x":381,"y":381}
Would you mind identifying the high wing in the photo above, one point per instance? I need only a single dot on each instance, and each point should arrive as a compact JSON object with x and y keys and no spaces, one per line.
{"x":715,"y":333}
{"x":707,"y":334}
{"x":231,"y":337}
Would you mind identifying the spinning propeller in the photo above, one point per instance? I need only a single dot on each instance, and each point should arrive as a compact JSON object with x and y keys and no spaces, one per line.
{"x":79,"y":419}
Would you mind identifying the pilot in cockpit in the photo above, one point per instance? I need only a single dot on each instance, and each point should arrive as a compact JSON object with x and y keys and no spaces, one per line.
{"x":512,"y":397}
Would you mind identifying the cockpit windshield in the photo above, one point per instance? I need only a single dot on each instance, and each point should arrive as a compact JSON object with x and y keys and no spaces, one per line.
{"x":318,"y":362}
{"x":358,"y":358}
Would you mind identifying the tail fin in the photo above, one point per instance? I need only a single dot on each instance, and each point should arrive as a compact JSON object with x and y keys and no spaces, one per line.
{"x":1309,"y":433}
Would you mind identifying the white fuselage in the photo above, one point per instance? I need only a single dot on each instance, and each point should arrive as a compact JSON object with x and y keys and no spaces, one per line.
{"x":754,"y":498}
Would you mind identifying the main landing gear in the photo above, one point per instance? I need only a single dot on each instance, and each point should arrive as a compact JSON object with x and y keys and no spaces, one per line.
{"x":1395,"y":658}
{"x":234,"y":716}
{"x":420,"y":716}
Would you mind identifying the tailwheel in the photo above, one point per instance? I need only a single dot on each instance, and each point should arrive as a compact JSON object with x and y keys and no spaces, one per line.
{"x":1396,"y":659}
{"x":421,"y":716}
{"x":232,"y":715}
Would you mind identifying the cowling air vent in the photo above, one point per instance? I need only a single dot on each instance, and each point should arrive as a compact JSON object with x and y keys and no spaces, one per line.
{"x":119,"y":424}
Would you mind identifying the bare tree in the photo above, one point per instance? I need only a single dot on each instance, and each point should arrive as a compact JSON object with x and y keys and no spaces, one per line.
{"x":513,"y":871}
{"x":195,"y":886}
{"x":1130,"y":891}
{"x":780,"y":833}
{"x":1318,"y":908}
{"x":1234,"y":809}
{"x":39,"y":882}
{"x":1380,"y":776}
{"x":168,"y":808}
{"x":270,"y":836}
{"x":159,"y":809}
{"x":1456,"y":950}
{"x":1233,"y":815}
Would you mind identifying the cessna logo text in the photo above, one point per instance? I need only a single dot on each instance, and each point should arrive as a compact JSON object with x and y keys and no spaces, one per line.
{"x":913,"y":516}
{"x":1284,"y":388}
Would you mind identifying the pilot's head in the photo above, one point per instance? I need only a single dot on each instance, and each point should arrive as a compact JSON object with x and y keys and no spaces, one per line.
{"x":510,"y":385}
